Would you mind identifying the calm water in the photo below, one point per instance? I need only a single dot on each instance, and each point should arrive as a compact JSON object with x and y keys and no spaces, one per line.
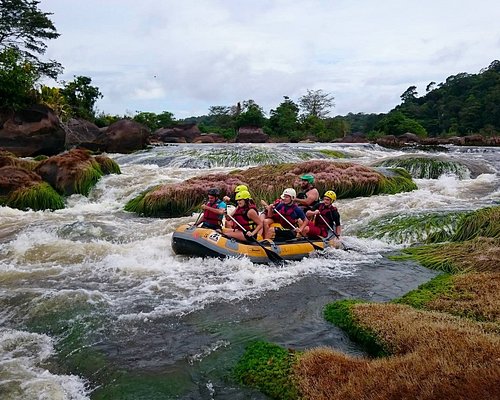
{"x":150,"y":313}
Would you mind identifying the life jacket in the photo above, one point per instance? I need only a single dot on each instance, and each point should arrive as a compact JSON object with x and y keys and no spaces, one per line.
{"x":303,"y":195}
{"x":287,"y":212}
{"x":210,"y":217}
{"x":327,"y":214}
{"x":240,"y":215}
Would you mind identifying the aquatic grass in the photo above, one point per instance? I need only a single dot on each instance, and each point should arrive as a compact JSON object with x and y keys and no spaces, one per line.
{"x":433,"y":227}
{"x":9,"y":159}
{"x":39,"y":196}
{"x":481,"y":254}
{"x":267,"y":367}
{"x":107,"y":165}
{"x":433,"y":356}
{"x":333,"y":153}
{"x":85,"y":179}
{"x":427,"y":167}
{"x":340,"y":313}
{"x":267,"y":183}
{"x":483,"y":222}
{"x":427,"y":292}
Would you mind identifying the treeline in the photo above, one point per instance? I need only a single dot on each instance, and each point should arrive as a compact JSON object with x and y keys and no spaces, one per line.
{"x":464,"y":104}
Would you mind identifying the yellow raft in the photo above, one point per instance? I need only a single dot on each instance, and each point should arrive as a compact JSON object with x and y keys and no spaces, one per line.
{"x":194,"y":241}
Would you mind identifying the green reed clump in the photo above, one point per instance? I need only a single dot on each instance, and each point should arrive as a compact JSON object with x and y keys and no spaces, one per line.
{"x":426,"y":167}
{"x":267,"y":367}
{"x":107,"y":165}
{"x":483,"y":222}
{"x":427,"y":292}
{"x":267,"y":183}
{"x":410,"y":229}
{"x":341,"y":314}
{"x":40,"y":196}
{"x":86,"y":178}
{"x":481,"y":254}
{"x":333,"y":153}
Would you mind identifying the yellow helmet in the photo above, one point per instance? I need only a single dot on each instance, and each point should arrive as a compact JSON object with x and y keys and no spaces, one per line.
{"x":331,"y":195}
{"x":243,"y":195}
{"x":240,"y":188}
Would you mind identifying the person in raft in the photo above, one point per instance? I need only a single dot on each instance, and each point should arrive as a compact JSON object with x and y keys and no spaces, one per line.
{"x":245,"y":219}
{"x":309,"y":195}
{"x":321,"y":218}
{"x":291,"y":217}
{"x":213,"y":211}
{"x":237,"y":189}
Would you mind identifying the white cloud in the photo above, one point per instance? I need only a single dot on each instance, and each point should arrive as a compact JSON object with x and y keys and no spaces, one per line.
{"x":185,"y":56}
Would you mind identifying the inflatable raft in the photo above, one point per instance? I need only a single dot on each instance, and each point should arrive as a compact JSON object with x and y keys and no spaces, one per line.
{"x":193,"y":241}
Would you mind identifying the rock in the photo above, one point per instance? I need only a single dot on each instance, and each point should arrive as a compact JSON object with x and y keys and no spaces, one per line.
{"x":251,"y":134}
{"x":84,"y":134}
{"x":31,"y":132}
{"x":185,"y":133}
{"x":72,"y":172}
{"x":126,"y":136}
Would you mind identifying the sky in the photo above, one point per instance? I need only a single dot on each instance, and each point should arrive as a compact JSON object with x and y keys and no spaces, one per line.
{"x":186,"y":56}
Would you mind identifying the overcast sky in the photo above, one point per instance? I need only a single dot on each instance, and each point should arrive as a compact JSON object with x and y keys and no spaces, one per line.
{"x":185,"y":56}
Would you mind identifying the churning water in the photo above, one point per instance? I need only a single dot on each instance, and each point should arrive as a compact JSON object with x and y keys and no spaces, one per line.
{"x":94,"y":280}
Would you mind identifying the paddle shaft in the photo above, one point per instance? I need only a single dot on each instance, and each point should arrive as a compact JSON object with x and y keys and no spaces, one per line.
{"x":293,"y":227}
{"x":335,"y":233}
{"x":274,"y":257}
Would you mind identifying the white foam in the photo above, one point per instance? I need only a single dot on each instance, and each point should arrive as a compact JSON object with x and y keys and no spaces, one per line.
{"x":23,"y":376}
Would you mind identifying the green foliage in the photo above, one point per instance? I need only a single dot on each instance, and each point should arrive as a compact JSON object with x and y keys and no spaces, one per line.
{"x":102,"y":119}
{"x":267,"y":367}
{"x":316,"y":103}
{"x":439,"y":257}
{"x":24,"y":28}
{"x":396,"y":123}
{"x":155,"y":121}
{"x":52,"y":97}
{"x":333,"y":153}
{"x":284,"y":120}
{"x":36,"y":197}
{"x":17,"y":78}
{"x":107,"y":165}
{"x":429,"y":291}
{"x":87,"y":178}
{"x":81,"y":97}
{"x":341,"y":314}
{"x":463,"y":104}
{"x":253,"y":116}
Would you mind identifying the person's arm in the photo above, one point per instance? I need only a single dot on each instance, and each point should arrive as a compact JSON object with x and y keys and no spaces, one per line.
{"x":312,"y":196}
{"x":218,"y":210}
{"x":254,"y":216}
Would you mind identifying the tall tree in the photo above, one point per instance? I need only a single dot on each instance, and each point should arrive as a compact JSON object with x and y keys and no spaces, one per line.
{"x":24,"y":27}
{"x":316,"y":103}
{"x":284,"y":120}
{"x":81,"y":97}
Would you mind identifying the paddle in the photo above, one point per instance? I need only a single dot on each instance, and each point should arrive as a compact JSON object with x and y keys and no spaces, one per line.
{"x":275,"y":258}
{"x":316,"y":247}
{"x":329,"y":227}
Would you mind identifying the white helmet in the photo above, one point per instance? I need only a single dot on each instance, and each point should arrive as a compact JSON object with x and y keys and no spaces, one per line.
{"x":290,"y":192}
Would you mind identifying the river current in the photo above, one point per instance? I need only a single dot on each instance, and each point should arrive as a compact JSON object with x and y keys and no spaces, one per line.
{"x":150,"y":313}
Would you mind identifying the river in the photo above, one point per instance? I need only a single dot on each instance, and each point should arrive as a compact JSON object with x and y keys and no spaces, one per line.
{"x":177,"y":325}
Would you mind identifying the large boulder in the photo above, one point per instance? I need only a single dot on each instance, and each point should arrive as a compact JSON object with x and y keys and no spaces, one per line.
{"x":184,"y":133}
{"x":82,"y":133}
{"x":31,"y":132}
{"x":251,"y":134}
{"x":126,"y":136}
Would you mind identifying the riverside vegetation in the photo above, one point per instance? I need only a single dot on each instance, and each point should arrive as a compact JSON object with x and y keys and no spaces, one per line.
{"x":441,"y":340}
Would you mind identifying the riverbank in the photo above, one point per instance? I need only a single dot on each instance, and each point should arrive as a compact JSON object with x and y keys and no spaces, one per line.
{"x":438,"y":341}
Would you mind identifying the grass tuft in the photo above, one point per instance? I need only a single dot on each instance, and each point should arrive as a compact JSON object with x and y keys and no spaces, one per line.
{"x":40,"y":196}
{"x":267,"y":367}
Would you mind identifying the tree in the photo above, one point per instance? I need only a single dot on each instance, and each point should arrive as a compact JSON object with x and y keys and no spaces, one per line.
{"x":409,"y":94}
{"x":25,"y":28}
{"x":396,"y":123}
{"x":17,"y":78}
{"x":253,"y":116}
{"x":284,"y":120}
{"x":81,"y":96}
{"x":316,"y":103}
{"x":155,"y":121}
